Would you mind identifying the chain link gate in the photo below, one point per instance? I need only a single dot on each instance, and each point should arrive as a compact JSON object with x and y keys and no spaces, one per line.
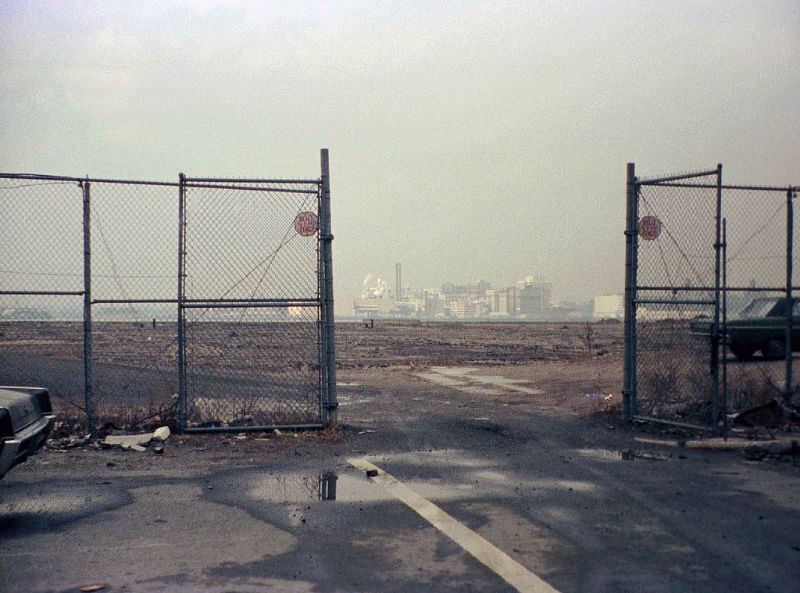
{"x":250,"y":304}
{"x":91,"y":282}
{"x":701,"y":256}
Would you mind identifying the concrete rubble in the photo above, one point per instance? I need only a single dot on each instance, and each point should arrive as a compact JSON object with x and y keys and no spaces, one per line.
{"x":137,"y":442}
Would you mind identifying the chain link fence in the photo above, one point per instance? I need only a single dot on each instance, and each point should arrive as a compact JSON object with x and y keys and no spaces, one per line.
{"x":709,"y":271}
{"x":252,"y":304}
{"x":202,"y":304}
{"x":41,"y":285}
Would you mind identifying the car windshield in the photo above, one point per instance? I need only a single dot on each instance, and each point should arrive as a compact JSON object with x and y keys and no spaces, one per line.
{"x":758,"y":308}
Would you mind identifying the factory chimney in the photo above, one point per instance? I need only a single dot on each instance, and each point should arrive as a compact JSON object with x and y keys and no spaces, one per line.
{"x":398,"y":283}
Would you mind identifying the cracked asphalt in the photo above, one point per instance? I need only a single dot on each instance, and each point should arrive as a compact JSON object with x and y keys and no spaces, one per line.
{"x":551,"y":490}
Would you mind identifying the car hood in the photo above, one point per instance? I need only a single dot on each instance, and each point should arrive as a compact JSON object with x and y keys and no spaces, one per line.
{"x":25,"y":405}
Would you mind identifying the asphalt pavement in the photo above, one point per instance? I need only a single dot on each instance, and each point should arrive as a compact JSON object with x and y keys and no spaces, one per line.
{"x":497,"y":488}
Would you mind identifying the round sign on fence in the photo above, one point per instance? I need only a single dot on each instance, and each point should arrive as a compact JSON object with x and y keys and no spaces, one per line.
{"x":649,"y":227}
{"x":305,"y":224}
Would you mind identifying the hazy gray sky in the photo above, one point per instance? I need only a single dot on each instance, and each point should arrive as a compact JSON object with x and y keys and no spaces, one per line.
{"x":468,"y":140}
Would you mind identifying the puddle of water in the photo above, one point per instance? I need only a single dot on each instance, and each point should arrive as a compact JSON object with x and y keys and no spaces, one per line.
{"x":295,"y":489}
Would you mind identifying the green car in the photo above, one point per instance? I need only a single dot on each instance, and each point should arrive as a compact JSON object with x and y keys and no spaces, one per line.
{"x":761,"y":325}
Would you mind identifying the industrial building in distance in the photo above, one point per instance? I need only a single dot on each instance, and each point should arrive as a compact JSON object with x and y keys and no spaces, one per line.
{"x":529,"y":299}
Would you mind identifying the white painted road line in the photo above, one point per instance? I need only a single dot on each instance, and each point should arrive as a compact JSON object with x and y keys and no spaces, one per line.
{"x":495,"y":559}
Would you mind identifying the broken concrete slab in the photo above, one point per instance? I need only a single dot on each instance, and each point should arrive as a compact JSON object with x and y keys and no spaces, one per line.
{"x":137,"y":442}
{"x":128,"y":441}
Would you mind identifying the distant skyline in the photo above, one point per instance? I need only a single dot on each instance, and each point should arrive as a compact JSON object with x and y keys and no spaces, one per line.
{"x":468,"y":140}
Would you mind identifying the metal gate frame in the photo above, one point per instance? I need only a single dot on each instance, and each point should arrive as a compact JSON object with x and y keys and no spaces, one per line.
{"x":324,"y":301}
{"x":328,"y":403}
{"x":719,"y":332}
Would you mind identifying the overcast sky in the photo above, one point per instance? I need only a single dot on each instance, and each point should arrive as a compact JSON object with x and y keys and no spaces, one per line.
{"x":469,"y":140}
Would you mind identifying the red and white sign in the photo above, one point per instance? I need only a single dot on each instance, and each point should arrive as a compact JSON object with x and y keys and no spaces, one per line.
{"x":306,"y":224}
{"x":649,"y":228}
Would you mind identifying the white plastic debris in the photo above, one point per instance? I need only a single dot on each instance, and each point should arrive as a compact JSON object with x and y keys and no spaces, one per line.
{"x":161,"y":434}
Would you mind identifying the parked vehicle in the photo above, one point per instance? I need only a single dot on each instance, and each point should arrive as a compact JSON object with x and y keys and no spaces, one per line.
{"x":26,"y":418}
{"x":760,"y":326}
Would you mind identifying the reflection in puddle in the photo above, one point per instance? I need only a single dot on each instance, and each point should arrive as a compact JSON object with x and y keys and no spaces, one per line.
{"x":296,"y":488}
{"x":327,"y":486}
{"x":303,"y":489}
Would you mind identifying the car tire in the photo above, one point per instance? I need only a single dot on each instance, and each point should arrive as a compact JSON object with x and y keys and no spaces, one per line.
{"x":774,"y":350}
{"x":742,"y":351}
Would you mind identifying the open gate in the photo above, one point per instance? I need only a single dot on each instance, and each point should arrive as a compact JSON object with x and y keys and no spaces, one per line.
{"x":701,"y":256}
{"x":255,"y":318}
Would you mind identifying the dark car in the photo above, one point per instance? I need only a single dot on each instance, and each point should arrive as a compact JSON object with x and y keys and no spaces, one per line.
{"x":26,"y":418}
{"x":761,"y":325}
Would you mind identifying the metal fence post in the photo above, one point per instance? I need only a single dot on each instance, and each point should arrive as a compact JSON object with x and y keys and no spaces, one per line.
{"x":725,"y":426}
{"x":631,"y":252}
{"x":181,"y":295}
{"x":788,"y":390}
{"x":326,"y":239}
{"x":715,"y":333}
{"x":87,"y":308}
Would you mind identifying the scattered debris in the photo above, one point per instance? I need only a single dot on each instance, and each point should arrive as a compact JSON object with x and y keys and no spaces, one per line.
{"x":769,"y":415}
{"x":128,"y":441}
{"x":161,"y":434}
{"x":762,"y":449}
{"x":368,"y":431}
{"x":69,"y":442}
{"x":137,"y":442}
{"x":598,"y":395}
{"x":753,"y":450}
{"x":93,"y":587}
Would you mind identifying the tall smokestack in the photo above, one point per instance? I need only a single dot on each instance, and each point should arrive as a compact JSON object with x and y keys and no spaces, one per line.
{"x":398,"y":283}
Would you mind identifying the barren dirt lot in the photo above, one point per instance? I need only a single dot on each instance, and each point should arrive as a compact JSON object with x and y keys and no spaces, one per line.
{"x":135,"y":364}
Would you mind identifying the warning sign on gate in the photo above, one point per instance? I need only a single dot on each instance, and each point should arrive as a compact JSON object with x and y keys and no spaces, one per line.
{"x":649,"y":228}
{"x":305,"y":224}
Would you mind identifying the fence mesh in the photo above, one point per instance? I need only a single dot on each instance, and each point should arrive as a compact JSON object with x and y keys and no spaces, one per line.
{"x":251,"y":305}
{"x":41,"y":253}
{"x":678,"y":374}
{"x":756,"y":239}
{"x":674,"y":376}
{"x":134,"y":231}
{"x":253,"y":354}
